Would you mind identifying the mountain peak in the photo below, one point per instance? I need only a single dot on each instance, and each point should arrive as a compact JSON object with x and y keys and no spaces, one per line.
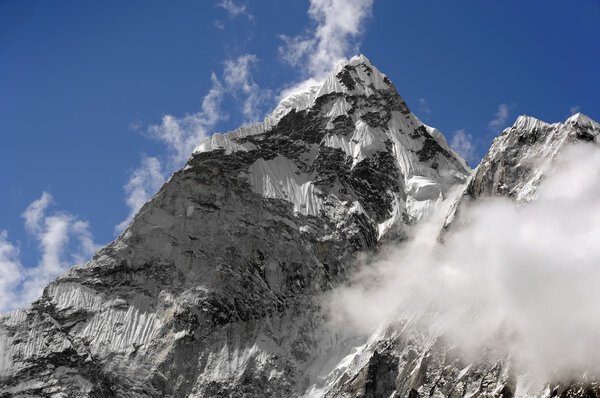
{"x":217,"y":287}
{"x":356,"y":76}
{"x":528,"y":123}
{"x":259,"y":224}
{"x":357,"y":114}
{"x":531,"y":145}
{"x":361,"y":58}
{"x":583,"y":120}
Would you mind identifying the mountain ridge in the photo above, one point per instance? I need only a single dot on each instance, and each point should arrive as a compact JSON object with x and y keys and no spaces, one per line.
{"x":215,"y":288}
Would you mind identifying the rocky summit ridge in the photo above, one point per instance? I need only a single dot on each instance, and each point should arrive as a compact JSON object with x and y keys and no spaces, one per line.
{"x":521,"y":156}
{"x":215,"y":289}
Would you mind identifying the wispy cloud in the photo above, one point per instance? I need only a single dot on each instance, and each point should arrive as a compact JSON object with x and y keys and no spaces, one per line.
{"x":54,"y":233}
{"x":509,"y":270}
{"x":63,"y":240}
{"x":575,"y":109}
{"x":338,"y":23}
{"x":235,"y":9}
{"x":87,"y":246}
{"x":180,"y":135}
{"x":239,"y":82}
{"x":35,"y":213}
{"x":500,"y":120}
{"x":143,"y":183}
{"x":462,"y":143}
{"x":134,"y":126}
{"x":11,"y":274}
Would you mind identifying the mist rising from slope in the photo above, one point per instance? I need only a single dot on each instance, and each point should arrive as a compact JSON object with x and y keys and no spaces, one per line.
{"x":532,"y":271}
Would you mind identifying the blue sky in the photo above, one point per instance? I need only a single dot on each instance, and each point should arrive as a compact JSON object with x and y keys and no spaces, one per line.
{"x":94,"y":95}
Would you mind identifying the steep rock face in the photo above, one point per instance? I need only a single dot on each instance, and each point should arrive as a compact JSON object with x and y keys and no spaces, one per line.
{"x":343,"y":140}
{"x":408,"y":360}
{"x":213,"y":290}
{"x":517,"y":160}
{"x":414,"y":359}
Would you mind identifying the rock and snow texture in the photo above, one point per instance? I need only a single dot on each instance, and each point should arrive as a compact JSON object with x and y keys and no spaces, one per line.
{"x":213,"y":290}
{"x":356,"y":116}
{"x":413,"y":358}
{"x":518,"y":159}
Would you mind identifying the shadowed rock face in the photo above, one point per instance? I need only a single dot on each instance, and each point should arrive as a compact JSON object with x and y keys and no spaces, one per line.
{"x":424,"y":363}
{"x":214,"y":288}
{"x":518,"y":160}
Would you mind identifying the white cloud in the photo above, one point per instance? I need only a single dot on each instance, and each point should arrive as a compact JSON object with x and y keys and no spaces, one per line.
{"x":575,"y":109}
{"x":299,"y":87}
{"x":339,"y":22}
{"x":529,"y":272}
{"x":239,"y":82}
{"x":134,"y":126}
{"x":237,"y":72}
{"x":35,"y":213}
{"x":235,"y":9}
{"x":11,"y":274}
{"x":87,"y":246}
{"x":295,"y":48}
{"x":144,"y":182}
{"x":55,"y":234}
{"x":500,"y":121}
{"x":462,"y":143}
{"x":181,"y":135}
{"x":53,"y":239}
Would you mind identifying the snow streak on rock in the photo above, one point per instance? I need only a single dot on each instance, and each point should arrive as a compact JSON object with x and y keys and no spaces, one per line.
{"x":216,"y":287}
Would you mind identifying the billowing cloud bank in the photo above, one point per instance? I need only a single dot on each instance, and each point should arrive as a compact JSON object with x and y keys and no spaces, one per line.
{"x":530,"y":272}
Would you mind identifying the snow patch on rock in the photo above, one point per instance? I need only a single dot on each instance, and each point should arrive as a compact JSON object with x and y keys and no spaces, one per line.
{"x":280,"y":178}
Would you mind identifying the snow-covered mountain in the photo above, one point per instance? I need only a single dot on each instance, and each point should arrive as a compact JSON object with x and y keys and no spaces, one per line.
{"x":519,"y":159}
{"x":215,"y":289}
{"x":414,"y":357}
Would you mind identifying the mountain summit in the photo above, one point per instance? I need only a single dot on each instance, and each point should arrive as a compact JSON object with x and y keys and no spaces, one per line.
{"x":215,"y":288}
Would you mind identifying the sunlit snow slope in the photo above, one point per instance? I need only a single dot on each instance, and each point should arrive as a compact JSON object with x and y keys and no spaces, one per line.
{"x":215,"y":287}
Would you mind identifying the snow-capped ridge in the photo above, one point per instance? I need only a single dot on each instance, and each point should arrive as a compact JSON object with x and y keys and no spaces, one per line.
{"x":518,"y":159}
{"x":217,"y":287}
{"x":368,"y":80}
{"x":298,"y":101}
{"x":365,"y":118}
{"x":441,"y":139}
{"x":583,"y":120}
{"x":528,"y":123}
